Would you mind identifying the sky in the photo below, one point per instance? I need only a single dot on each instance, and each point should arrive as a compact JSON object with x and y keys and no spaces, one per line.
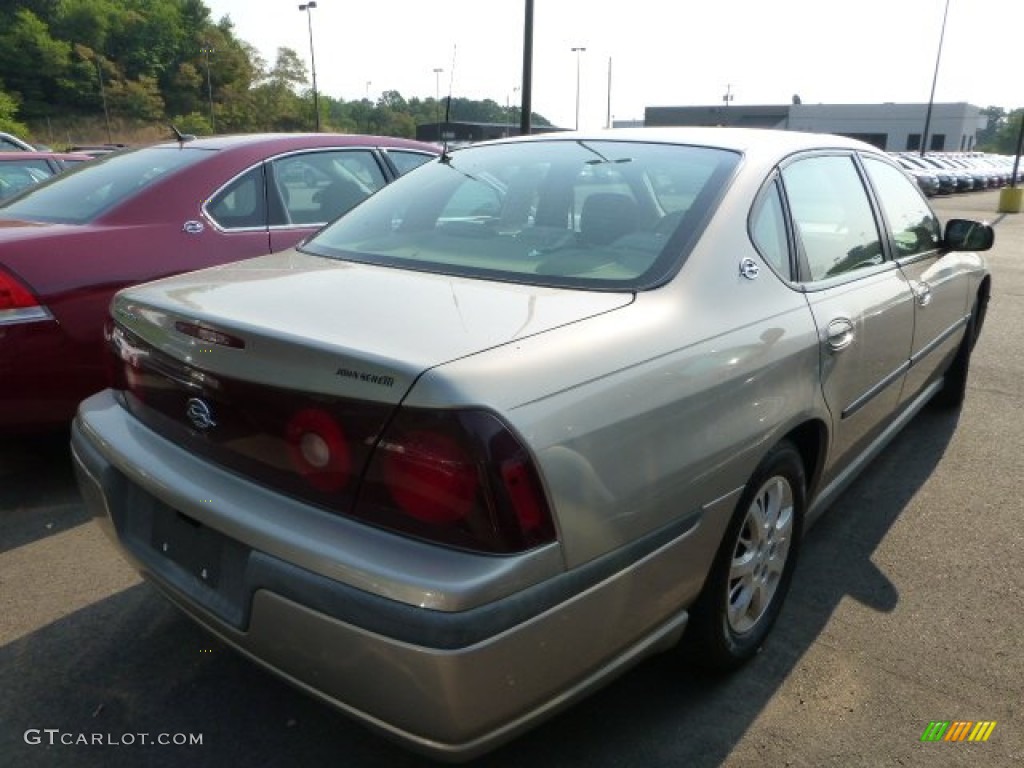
{"x":659,"y":52}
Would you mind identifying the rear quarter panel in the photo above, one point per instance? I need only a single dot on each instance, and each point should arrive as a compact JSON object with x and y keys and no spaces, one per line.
{"x":649,"y":413}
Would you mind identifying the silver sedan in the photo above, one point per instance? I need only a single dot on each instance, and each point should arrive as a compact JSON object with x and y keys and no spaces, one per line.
{"x":535,"y":411}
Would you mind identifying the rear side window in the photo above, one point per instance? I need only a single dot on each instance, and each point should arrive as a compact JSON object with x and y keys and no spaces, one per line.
{"x":242,"y":203}
{"x":90,"y":190}
{"x":606,"y":215}
{"x":406,"y":161}
{"x":18,"y":175}
{"x":768,"y":230}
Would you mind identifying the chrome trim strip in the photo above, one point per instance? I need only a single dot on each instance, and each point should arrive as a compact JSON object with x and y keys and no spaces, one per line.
{"x":24,"y":315}
{"x":938,"y":341}
{"x":876,"y":390}
{"x":831,"y":492}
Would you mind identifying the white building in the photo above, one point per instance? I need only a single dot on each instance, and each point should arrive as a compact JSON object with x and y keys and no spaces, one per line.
{"x":892,"y":127}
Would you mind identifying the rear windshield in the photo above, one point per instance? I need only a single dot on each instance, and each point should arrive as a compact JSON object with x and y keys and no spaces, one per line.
{"x":83,"y":194}
{"x":605,"y":215}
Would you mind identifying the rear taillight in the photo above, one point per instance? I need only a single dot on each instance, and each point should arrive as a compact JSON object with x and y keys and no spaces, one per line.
{"x":14,"y":295}
{"x":455,"y":477}
{"x":460,"y":478}
{"x":319,"y":449}
{"x":430,"y":477}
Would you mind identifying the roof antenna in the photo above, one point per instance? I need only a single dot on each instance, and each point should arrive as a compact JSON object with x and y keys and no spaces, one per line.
{"x":445,"y":156}
{"x":182,"y":137}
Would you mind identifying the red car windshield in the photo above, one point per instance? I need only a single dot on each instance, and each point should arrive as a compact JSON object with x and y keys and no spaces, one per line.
{"x":83,"y":194}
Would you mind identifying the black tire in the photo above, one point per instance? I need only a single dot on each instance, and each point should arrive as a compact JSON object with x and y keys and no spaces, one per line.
{"x":736,"y":611}
{"x":954,"y":380}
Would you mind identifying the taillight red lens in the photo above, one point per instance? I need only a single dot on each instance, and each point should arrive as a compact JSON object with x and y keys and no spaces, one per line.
{"x":525,"y":494}
{"x":431,"y":477}
{"x":460,"y":478}
{"x":13,"y":294}
{"x":319,"y":449}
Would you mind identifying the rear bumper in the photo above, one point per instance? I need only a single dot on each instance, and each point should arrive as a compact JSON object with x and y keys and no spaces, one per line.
{"x":451,"y":682}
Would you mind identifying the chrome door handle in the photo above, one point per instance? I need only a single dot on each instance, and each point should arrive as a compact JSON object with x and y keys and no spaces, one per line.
{"x":922,"y":292}
{"x":839,"y":334}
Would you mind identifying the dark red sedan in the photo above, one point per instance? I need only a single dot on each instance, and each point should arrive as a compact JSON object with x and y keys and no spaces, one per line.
{"x":69,"y":243}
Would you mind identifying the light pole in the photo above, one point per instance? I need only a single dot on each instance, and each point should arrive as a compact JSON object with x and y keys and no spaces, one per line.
{"x":103,"y":96}
{"x":307,"y":7}
{"x":207,"y":49}
{"x":437,"y":99}
{"x":578,"y":51}
{"x":935,"y":79}
{"x":526,"y":106}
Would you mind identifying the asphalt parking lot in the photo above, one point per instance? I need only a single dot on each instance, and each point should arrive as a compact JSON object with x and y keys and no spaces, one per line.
{"x":907,"y":608}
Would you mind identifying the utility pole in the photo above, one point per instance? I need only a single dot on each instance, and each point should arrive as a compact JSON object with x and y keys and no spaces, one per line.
{"x":578,"y":51}
{"x":103,"y":96}
{"x":526,"y":108}
{"x":207,"y":49}
{"x":308,"y":7}
{"x":935,"y":79}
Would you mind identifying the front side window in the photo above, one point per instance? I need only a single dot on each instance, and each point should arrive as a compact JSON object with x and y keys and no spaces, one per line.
{"x":317,"y":187}
{"x":90,"y":190}
{"x":832,"y":216}
{"x":596,"y":214}
{"x":914,"y":227}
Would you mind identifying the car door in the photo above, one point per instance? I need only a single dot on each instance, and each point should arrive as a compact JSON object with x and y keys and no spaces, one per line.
{"x":941,"y":296}
{"x":308,"y":189}
{"x":861,"y":302}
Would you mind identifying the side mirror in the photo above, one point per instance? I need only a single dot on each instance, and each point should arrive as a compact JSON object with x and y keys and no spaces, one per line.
{"x":967,"y":235}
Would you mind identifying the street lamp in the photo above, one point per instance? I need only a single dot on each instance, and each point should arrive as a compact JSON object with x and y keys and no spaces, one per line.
{"x":578,"y":51}
{"x":437,"y":99}
{"x":307,"y":7}
{"x":935,"y":79}
{"x":103,"y":96}
{"x":207,"y":49}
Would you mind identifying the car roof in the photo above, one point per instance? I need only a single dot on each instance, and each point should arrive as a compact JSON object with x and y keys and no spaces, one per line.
{"x":21,"y":155}
{"x":285,"y":141}
{"x":752,"y":141}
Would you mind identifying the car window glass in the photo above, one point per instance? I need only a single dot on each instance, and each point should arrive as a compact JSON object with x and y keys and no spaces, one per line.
{"x":317,"y":187}
{"x":768,"y":230}
{"x":16,"y":176}
{"x":406,"y":161}
{"x":600,"y":214}
{"x":915,"y":229}
{"x":242,"y":203}
{"x":832,"y":215}
{"x":86,"y":192}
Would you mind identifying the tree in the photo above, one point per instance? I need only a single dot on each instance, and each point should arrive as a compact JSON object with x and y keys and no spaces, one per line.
{"x":32,"y":62}
{"x":995,"y":118}
{"x":1009,"y":132}
{"x":8,"y":110}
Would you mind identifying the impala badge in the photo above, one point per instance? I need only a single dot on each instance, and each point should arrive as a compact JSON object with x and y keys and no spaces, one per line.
{"x":193,"y":227}
{"x":199,"y":414}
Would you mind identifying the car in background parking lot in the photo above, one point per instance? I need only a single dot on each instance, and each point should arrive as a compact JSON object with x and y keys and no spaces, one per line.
{"x":927,"y":180}
{"x":68,"y":243}
{"x":9,"y":142}
{"x":20,"y":170}
{"x":528,"y":414}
